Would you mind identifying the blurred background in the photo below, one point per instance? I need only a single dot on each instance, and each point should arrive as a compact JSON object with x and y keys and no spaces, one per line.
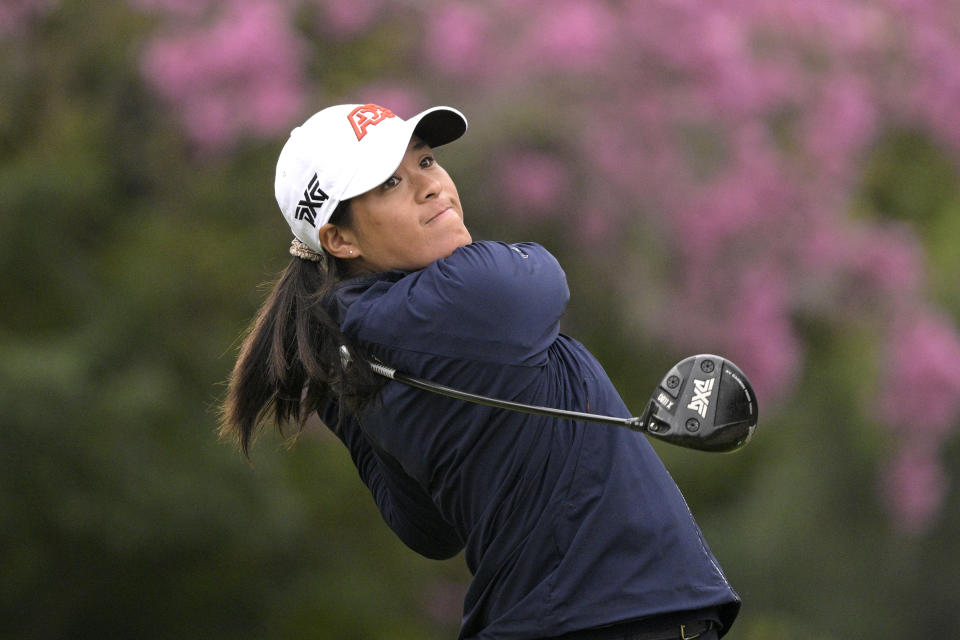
{"x":775,"y":182}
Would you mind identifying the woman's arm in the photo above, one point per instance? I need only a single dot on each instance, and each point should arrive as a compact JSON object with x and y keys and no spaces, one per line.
{"x":404,"y":505}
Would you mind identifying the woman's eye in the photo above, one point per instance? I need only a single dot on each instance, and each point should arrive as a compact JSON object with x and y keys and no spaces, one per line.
{"x":391,"y":182}
{"x":428,"y":161}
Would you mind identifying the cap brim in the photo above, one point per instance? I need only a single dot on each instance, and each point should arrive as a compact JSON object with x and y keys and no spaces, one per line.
{"x":439,"y":125}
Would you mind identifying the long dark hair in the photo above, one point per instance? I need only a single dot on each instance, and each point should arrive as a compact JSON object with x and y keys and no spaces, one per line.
{"x":289,"y":364}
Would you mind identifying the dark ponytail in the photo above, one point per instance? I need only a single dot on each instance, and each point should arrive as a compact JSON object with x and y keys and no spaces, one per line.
{"x":289,"y":363}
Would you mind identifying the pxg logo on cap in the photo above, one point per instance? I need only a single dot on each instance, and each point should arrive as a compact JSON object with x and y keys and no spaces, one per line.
{"x":313,"y":197}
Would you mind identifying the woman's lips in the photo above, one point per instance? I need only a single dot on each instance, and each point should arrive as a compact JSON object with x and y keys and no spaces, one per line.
{"x":439,"y":215}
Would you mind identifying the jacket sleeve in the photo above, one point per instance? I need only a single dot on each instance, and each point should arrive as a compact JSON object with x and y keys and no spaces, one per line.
{"x":407,"y":509}
{"x":488,"y":301}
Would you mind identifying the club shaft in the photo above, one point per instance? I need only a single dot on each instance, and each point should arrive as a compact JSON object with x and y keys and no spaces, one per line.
{"x":635,"y":424}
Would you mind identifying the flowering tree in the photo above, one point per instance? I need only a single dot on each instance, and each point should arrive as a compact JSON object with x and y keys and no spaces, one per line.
{"x":733,"y":135}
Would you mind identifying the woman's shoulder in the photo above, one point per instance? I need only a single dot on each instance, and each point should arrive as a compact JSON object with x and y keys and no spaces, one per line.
{"x":496,"y":263}
{"x":485,"y":292}
{"x":493,"y":274}
{"x":498,"y":251}
{"x":472,"y":269}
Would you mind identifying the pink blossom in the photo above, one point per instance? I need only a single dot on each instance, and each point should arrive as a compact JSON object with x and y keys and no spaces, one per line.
{"x":724,"y":35}
{"x":626,"y":146}
{"x":841,"y":124}
{"x":594,"y":226}
{"x":456,"y":39}
{"x":570,"y":35}
{"x":15,"y":15}
{"x":856,"y":29}
{"x":273,"y":105}
{"x":209,"y":122}
{"x":886,"y":261}
{"x":827,"y":248}
{"x":727,"y":74}
{"x":934,"y":52}
{"x":914,"y":485}
{"x":920,"y":395}
{"x":241,"y":74}
{"x":533,"y":183}
{"x":752,"y":197}
{"x":759,"y":334}
{"x":347,"y":18}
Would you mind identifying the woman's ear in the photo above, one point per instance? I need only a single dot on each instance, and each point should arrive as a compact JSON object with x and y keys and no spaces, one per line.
{"x":338,"y":241}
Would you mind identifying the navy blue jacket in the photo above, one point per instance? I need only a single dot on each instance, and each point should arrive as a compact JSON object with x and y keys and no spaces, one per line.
{"x":566,"y":525}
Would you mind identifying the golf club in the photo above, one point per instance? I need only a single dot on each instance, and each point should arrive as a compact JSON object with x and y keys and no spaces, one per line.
{"x":705,"y":402}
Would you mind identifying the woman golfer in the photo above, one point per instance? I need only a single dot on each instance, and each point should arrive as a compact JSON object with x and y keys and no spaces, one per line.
{"x":569,"y":529}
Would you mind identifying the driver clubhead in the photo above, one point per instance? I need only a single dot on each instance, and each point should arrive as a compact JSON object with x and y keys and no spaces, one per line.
{"x":705,"y":402}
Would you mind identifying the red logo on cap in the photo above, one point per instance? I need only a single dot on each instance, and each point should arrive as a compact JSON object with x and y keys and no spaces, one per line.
{"x":366,"y":116}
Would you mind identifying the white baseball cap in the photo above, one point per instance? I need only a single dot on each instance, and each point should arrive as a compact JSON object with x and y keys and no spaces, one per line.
{"x":344,"y":151}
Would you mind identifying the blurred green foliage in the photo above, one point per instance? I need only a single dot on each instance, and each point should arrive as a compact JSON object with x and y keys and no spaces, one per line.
{"x":910,"y":179}
{"x":130,"y":269}
{"x":129,"y":273}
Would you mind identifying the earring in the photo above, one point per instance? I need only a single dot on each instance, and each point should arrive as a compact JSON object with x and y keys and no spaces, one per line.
{"x":351,"y":251}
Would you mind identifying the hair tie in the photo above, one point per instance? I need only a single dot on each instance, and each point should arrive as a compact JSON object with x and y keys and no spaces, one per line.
{"x":301,"y":250}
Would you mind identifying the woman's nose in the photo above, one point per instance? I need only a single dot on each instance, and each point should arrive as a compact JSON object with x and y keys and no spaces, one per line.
{"x":428,"y":187}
